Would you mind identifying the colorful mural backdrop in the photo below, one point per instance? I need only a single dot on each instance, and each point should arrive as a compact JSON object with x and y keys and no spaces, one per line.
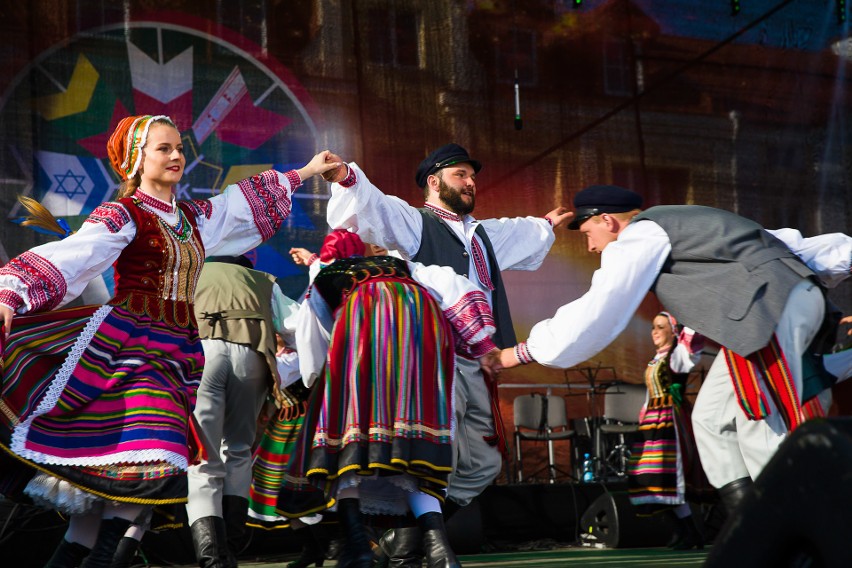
{"x":740,"y":105}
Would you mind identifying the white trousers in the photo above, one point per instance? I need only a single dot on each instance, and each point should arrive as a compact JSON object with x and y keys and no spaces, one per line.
{"x":730,"y":445}
{"x":475,"y":463}
{"x":230,"y":397}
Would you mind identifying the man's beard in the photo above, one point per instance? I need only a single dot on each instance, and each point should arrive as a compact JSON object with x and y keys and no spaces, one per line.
{"x":452,"y":198}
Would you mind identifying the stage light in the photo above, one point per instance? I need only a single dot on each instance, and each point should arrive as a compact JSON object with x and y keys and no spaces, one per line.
{"x":841,"y":11}
{"x":735,"y":7}
{"x":577,"y":3}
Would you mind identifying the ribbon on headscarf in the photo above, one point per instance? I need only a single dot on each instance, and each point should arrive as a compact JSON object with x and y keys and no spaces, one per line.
{"x":124,"y":147}
{"x":770,"y":363}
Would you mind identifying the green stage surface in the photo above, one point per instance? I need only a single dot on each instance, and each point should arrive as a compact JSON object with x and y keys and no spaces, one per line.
{"x":573,"y":557}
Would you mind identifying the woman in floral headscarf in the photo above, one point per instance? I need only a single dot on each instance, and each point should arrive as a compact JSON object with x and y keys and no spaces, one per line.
{"x":664,"y":469}
{"x":96,"y":401}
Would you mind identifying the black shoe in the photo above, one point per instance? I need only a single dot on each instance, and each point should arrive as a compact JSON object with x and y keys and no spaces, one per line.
{"x":211,"y":548}
{"x":403,"y":547}
{"x":67,"y":555}
{"x":357,"y":552}
{"x":125,"y":552}
{"x":691,"y":536}
{"x":109,"y":534}
{"x":436,"y":546}
{"x":313,"y":549}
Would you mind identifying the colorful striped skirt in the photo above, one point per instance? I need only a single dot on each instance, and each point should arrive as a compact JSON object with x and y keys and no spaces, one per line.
{"x":100,"y":399}
{"x":664,"y":468}
{"x":384,"y":405}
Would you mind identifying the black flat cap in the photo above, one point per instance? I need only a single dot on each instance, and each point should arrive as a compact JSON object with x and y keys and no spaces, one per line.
{"x":597,"y":199}
{"x":444,"y":156}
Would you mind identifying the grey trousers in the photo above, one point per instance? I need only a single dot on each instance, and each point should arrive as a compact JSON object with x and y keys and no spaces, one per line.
{"x":476,"y":463}
{"x":230,"y":397}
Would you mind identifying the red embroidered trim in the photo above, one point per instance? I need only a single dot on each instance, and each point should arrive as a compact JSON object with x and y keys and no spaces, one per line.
{"x":522,"y":352}
{"x":45,"y":284}
{"x":155,"y":203}
{"x":11,"y":299}
{"x":200,"y":207}
{"x":112,"y":215}
{"x":480,"y":265}
{"x":268,"y":200}
{"x":350,"y":178}
{"x":294,"y":178}
{"x":443,"y":213}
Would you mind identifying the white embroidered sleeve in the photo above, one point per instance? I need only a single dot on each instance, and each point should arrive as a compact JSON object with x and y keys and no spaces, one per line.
{"x":247,"y":213}
{"x":51,"y":275}
{"x":464,"y":306}
{"x":520,"y":243}
{"x":380,"y":219}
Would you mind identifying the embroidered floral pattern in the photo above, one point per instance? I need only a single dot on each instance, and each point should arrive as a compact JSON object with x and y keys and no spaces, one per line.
{"x":473,"y":323}
{"x":45,"y":284}
{"x":200,"y":207}
{"x":155,"y":203}
{"x":268,"y":200}
{"x":112,"y":215}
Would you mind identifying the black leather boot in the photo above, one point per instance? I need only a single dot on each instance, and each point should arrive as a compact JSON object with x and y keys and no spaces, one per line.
{"x":125,"y":553}
{"x":235,"y":511}
{"x":313,"y":547}
{"x":208,"y":539}
{"x":403,"y":547}
{"x":109,"y":534}
{"x":691,"y":537}
{"x":435,"y":543}
{"x":356,"y":548}
{"x":67,"y":555}
{"x":733,"y":493}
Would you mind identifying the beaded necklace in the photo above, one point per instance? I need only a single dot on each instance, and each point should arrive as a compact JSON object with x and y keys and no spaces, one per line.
{"x":181,"y":230}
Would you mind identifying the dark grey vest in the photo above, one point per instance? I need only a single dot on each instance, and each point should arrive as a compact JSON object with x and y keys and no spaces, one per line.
{"x":726,"y":277}
{"x":440,"y":245}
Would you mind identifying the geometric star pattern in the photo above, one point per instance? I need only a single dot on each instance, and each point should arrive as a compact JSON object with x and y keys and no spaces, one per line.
{"x":76,"y":184}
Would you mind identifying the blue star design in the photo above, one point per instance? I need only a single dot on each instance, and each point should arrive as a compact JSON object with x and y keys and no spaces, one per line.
{"x":76,"y":184}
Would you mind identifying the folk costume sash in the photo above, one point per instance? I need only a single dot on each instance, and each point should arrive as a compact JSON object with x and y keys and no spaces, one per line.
{"x":772,"y":365}
{"x":499,"y":437}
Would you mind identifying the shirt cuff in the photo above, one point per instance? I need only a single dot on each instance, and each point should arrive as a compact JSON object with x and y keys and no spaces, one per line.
{"x":350,"y":178}
{"x":11,"y":300}
{"x":313,"y":258}
{"x":482,"y":347}
{"x":522,"y":353}
{"x":294,"y":178}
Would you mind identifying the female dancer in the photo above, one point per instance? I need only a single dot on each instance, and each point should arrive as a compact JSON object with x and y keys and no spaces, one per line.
{"x":665,"y":462}
{"x":96,"y":401}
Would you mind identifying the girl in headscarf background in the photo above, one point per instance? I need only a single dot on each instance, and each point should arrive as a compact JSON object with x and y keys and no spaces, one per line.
{"x":664,"y":471}
{"x":97,"y":400}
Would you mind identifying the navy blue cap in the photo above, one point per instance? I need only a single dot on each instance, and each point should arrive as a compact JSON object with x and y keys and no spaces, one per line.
{"x":444,"y":156}
{"x":597,"y":199}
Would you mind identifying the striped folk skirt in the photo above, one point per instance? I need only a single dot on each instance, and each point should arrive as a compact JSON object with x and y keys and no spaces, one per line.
{"x":664,"y":469}
{"x":96,"y":403}
{"x":383,"y":408}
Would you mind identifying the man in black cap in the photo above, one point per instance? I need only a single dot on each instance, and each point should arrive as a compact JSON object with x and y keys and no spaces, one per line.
{"x":722,"y":275}
{"x":444,"y":232}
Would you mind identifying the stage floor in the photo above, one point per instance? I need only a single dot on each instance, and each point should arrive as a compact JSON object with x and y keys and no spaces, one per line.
{"x":573,"y":557}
